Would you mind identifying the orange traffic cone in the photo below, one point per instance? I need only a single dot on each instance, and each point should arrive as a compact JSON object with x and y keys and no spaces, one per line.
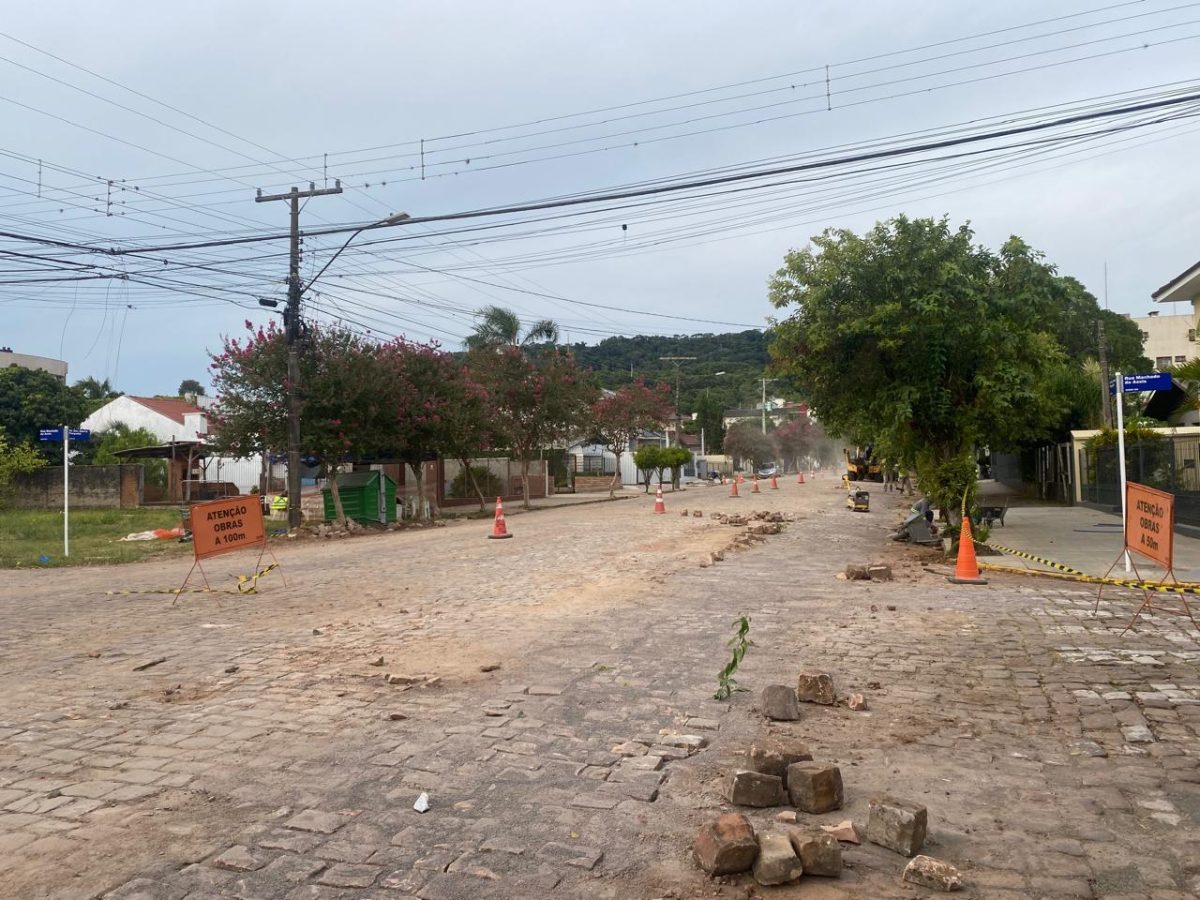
{"x":659,"y":507}
{"x":733,"y":488}
{"x":774,"y":483}
{"x":800,"y":478}
{"x":967,"y":569}
{"x":499,"y":530}
{"x":754,"y":486}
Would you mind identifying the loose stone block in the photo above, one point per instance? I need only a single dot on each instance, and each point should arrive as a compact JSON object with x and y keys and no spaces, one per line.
{"x":856,"y":573}
{"x":746,"y":788}
{"x":933,"y":873}
{"x":777,"y":862}
{"x":816,"y":687}
{"x":726,"y":846}
{"x":815,"y":787}
{"x":897,"y":824}
{"x":779,"y":703}
{"x":879,"y":572}
{"x":684,"y":741}
{"x":819,"y":852}
{"x":773,"y":756}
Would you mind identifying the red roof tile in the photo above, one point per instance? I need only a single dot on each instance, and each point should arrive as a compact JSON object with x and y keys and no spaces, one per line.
{"x":171,"y":407}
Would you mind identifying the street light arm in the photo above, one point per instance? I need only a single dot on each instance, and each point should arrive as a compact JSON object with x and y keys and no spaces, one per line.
{"x":382,"y":223}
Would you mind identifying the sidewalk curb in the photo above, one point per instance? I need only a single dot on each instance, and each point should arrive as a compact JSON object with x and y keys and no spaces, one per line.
{"x":517,"y":510}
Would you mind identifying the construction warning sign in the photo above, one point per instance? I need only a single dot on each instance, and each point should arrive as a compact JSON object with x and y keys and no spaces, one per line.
{"x":1149,"y":523}
{"x":222,"y":526}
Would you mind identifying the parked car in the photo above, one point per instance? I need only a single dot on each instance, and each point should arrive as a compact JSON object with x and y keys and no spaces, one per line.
{"x":768,"y":471}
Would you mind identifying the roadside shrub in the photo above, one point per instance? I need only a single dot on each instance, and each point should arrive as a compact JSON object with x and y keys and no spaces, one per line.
{"x":488,"y":482}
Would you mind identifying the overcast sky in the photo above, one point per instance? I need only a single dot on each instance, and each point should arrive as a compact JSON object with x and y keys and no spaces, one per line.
{"x":303,"y":79}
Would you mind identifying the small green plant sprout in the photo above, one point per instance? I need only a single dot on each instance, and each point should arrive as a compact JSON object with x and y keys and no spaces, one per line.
{"x":738,"y":645}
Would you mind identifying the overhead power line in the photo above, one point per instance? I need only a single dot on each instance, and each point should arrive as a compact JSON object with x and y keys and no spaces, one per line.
{"x":667,"y":188}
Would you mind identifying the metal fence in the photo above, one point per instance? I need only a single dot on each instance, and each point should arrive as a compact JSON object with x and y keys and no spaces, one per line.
{"x":495,"y":475}
{"x":1168,"y":463}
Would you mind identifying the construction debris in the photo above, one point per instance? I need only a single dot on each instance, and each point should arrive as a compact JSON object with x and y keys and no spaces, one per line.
{"x":899,"y":825}
{"x":726,"y":846}
{"x":933,"y":873}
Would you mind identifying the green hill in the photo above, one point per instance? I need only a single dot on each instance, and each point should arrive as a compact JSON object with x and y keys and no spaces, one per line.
{"x":741,"y":355}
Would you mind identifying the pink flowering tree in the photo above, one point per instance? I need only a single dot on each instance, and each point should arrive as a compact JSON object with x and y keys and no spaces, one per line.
{"x":534,"y":400}
{"x":343,"y":398}
{"x":468,"y":427}
{"x":620,"y":417}
{"x":430,"y":403}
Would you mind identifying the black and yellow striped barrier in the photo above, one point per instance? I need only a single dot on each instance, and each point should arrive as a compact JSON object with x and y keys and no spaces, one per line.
{"x":242,"y":589}
{"x":1037,"y":559}
{"x":1071,"y":574}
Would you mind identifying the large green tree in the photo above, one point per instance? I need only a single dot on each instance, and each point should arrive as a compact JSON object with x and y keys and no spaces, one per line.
{"x":31,"y":399}
{"x":710,"y":420}
{"x":915,"y":335}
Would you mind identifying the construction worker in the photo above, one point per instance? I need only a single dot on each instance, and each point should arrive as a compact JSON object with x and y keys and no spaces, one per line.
{"x":889,"y":476}
{"x":906,"y":485}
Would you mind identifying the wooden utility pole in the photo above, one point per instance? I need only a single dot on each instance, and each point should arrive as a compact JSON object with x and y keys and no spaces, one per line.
{"x":291,"y":326}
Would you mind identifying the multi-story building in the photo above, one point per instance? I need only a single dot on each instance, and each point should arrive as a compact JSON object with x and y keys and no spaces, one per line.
{"x":56,"y":367}
{"x":1172,"y":339}
{"x":1167,"y":340}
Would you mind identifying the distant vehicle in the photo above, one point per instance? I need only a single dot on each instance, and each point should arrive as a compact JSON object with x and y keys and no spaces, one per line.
{"x":768,"y":471}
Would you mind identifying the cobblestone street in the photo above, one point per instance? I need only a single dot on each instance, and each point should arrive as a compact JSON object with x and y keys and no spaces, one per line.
{"x":548,"y":692}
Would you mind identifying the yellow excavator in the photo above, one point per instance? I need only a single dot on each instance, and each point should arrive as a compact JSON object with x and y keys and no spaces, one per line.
{"x":862,"y":465}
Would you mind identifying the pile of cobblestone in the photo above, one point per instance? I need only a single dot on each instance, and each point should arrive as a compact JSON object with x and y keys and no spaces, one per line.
{"x":781,"y":771}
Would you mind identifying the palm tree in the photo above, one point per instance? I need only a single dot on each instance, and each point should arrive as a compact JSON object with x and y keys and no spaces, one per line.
{"x":498,"y":327}
{"x":92,"y":389}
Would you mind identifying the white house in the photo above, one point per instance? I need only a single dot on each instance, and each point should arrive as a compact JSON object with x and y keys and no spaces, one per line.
{"x":175,"y":419}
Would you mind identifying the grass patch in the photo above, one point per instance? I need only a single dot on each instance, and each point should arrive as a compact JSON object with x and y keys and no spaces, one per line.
{"x":28,"y":534}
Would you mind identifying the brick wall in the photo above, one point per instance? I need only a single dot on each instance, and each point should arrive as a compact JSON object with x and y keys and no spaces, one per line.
{"x":92,"y":487}
{"x":593,"y":484}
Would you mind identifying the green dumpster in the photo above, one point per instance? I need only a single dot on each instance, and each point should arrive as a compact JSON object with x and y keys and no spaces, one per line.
{"x":366,"y":497}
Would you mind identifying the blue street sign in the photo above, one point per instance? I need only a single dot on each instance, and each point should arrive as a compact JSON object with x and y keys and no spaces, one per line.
{"x":1138,"y":384}
{"x":56,"y":434}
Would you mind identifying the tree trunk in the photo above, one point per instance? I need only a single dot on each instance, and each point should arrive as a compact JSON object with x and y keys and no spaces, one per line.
{"x":470,"y":470}
{"x":339,"y":514}
{"x":525,"y":504}
{"x":612,"y":487}
{"x":417,"y":474}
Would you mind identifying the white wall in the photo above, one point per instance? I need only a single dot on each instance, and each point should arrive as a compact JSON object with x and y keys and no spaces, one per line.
{"x":628,"y":469}
{"x":242,"y":472}
{"x":134,"y":415}
{"x":1167,"y":336}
